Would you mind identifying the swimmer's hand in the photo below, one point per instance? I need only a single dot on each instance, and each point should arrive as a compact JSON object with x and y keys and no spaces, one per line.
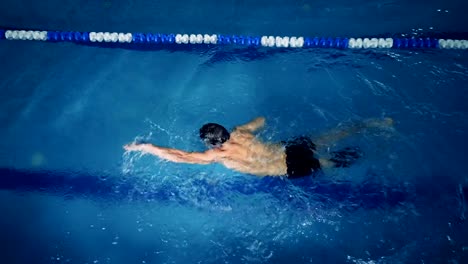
{"x":134,"y":147}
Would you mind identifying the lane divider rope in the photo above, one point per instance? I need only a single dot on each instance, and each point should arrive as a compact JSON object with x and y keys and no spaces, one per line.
{"x":207,"y":39}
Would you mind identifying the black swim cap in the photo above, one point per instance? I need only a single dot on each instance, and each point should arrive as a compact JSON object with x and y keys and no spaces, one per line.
{"x":214,"y":135}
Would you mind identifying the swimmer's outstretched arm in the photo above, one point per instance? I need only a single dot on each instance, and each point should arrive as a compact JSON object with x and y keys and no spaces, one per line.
{"x":253,"y":125}
{"x":174,"y":155}
{"x":341,"y":133}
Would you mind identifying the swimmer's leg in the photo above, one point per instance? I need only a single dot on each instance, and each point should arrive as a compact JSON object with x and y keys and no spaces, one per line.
{"x":343,"y":158}
{"x":335,"y":135}
{"x":326,"y":163}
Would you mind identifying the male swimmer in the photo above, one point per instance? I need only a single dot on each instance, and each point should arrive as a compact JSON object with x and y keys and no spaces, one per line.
{"x":242,"y":151}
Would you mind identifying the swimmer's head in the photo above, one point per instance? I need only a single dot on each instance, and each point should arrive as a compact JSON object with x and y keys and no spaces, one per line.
{"x":214,"y":135}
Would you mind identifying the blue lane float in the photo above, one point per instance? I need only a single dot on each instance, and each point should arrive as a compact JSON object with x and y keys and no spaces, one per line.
{"x":108,"y":38}
{"x":104,"y":186}
{"x":122,"y":187}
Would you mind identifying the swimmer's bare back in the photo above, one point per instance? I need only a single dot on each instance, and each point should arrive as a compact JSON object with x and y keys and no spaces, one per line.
{"x":245,"y":153}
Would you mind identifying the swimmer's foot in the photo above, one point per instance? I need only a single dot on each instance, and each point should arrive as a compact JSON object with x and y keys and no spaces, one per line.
{"x":346,"y":157}
{"x":386,"y":122}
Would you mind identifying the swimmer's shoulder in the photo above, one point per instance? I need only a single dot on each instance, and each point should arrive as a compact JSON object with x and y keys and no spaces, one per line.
{"x":240,"y":131}
{"x":240,"y":135}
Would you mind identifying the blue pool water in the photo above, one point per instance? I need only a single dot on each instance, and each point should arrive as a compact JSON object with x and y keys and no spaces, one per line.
{"x":69,"y":193}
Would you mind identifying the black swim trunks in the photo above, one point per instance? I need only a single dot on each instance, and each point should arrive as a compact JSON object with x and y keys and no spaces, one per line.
{"x":300,"y":158}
